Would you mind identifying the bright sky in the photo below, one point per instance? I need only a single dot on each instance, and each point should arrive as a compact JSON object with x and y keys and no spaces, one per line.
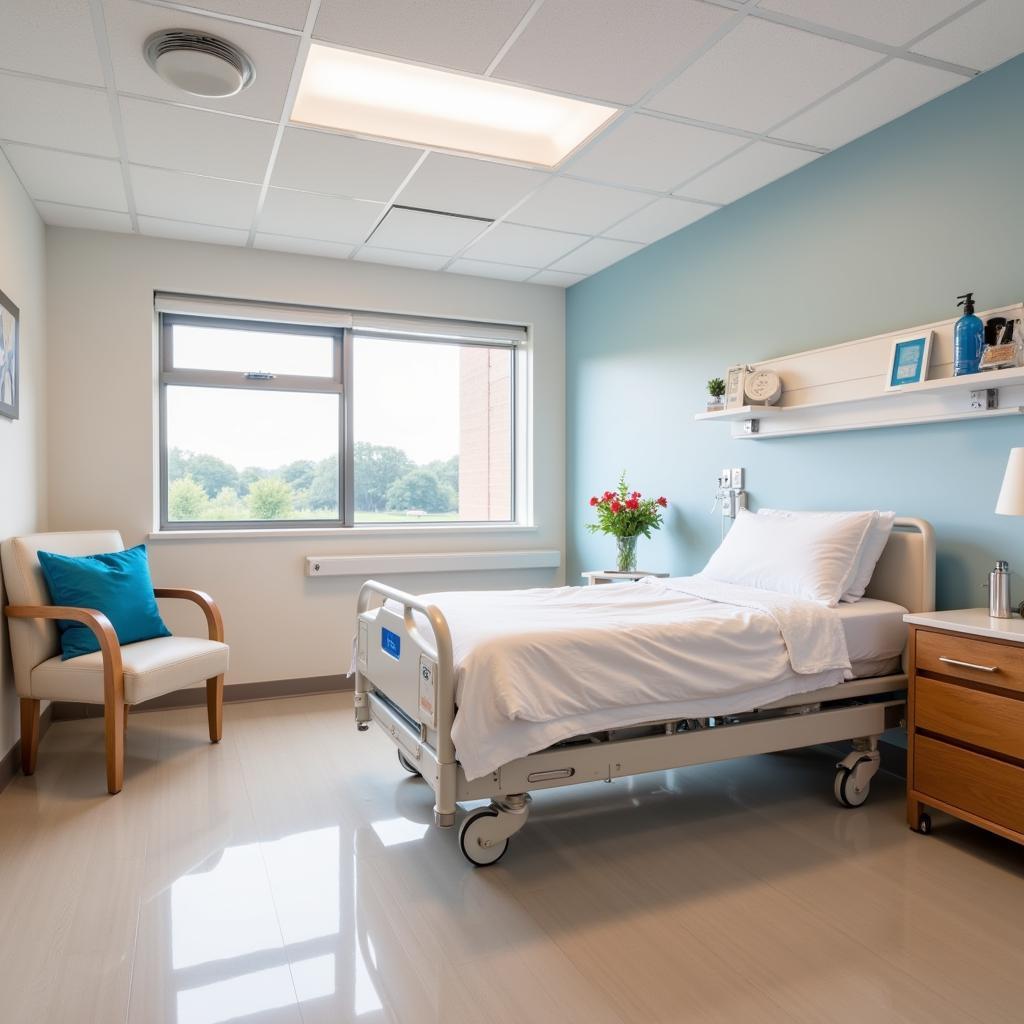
{"x":406,"y":394}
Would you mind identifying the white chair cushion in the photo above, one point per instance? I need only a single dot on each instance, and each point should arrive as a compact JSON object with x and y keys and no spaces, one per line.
{"x":35,"y":640}
{"x":151,"y":668}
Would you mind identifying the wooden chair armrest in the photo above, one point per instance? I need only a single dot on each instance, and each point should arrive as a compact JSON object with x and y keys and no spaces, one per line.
{"x":102,"y":629}
{"x":214,"y":620}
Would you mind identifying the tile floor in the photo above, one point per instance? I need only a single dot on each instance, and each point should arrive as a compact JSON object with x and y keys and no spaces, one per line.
{"x":291,"y":874}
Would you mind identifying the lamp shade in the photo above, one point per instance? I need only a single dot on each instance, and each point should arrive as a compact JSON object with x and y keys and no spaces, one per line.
{"x":1011,"y":494}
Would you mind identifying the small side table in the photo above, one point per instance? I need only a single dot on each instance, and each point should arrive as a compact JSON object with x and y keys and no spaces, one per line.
{"x":965,"y":719}
{"x":596,"y":576}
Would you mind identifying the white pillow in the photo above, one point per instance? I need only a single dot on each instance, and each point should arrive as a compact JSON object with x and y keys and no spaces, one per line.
{"x":871,"y":550}
{"x":814,"y":558}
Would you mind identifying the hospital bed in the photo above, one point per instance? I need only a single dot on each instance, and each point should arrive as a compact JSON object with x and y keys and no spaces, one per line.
{"x":405,"y":682}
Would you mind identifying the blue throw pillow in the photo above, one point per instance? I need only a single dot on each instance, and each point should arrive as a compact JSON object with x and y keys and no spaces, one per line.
{"x":117,"y":584}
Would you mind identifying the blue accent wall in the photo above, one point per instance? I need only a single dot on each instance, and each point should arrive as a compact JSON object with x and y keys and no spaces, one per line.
{"x":879,"y":235}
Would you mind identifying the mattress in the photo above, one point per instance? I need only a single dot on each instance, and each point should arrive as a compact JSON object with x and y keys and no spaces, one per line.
{"x":875,"y":636}
{"x":537,"y":667}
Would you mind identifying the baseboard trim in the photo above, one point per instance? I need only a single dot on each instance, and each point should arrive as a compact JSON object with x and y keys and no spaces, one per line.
{"x":10,"y":763}
{"x":272,"y":689}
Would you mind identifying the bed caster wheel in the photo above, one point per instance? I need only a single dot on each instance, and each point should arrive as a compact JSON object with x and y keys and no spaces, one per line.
{"x":924,"y":824}
{"x":407,"y":764}
{"x":846,"y":789}
{"x":475,"y":838}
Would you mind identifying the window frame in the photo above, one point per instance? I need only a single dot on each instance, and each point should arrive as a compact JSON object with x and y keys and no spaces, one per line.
{"x":339,"y":383}
{"x":170,"y":376}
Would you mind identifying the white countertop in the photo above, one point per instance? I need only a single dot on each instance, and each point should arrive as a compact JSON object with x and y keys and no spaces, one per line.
{"x":974,"y":621}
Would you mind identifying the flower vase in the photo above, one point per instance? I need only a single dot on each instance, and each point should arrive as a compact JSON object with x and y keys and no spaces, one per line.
{"x":626,"y":554}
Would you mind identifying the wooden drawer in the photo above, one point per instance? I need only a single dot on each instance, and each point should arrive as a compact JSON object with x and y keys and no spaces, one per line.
{"x":980,"y":785}
{"x":973,"y":717}
{"x":961,"y":652}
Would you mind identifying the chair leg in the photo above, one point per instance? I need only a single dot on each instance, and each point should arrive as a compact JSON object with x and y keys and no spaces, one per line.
{"x":113,"y":724}
{"x":215,"y":707}
{"x":29,"y":734}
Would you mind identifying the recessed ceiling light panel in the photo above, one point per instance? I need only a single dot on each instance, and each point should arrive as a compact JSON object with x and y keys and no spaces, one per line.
{"x":367,"y":95}
{"x":198,"y":63}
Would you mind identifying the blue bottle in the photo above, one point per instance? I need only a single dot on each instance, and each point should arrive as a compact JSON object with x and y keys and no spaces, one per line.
{"x":968,"y":338}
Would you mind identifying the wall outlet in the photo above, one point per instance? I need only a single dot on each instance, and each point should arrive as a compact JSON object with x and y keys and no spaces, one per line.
{"x":737,"y":478}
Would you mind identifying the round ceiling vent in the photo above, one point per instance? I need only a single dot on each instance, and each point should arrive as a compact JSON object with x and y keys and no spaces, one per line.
{"x":200,"y":64}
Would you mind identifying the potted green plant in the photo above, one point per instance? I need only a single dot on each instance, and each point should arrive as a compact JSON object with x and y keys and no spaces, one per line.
{"x":716,"y":391}
{"x":626,"y":515}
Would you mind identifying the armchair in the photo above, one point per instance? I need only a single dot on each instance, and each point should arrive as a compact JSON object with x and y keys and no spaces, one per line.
{"x":115,"y":676}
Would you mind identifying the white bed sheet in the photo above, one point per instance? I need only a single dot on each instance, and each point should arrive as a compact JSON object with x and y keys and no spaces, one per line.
{"x":536,"y":667}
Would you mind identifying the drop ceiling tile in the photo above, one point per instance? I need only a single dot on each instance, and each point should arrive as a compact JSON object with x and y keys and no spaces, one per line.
{"x":597,"y":254}
{"x":476,"y":188}
{"x":461,"y":34}
{"x":760,"y":74}
{"x":54,"y":38}
{"x":67,"y":178}
{"x":522,"y":246}
{"x":880,"y":96}
{"x":286,"y":13}
{"x":480,"y":268}
{"x":63,"y":216}
{"x":882,"y":20}
{"x":129,"y":25}
{"x":341,"y":166}
{"x":176,"y":196}
{"x":304,"y":215}
{"x":659,"y":219}
{"x":746,"y":172}
{"x":199,"y":141}
{"x":556,"y":278}
{"x":654,"y":153}
{"x":417,"y":231}
{"x":982,"y":38}
{"x":60,"y":116}
{"x":397,"y":258}
{"x":191,"y":232}
{"x":304,"y":246}
{"x":569,"y":205}
{"x":608,"y":50}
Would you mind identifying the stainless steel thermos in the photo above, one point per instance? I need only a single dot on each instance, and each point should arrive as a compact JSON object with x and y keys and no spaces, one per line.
{"x":999,"y":591}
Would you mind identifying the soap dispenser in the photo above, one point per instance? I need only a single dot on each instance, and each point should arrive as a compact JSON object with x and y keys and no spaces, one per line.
{"x":968,"y":338}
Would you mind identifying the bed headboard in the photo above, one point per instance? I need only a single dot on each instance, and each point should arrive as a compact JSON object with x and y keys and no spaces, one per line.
{"x":905,"y":573}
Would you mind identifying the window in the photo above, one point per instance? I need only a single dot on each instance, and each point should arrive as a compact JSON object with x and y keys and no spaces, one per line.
{"x":357,"y":419}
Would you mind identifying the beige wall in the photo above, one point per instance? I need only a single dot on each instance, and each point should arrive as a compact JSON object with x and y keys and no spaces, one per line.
{"x":22,"y":441}
{"x":102,"y":445}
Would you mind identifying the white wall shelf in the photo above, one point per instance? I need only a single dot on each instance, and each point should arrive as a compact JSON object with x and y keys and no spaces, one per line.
{"x":842,"y":387}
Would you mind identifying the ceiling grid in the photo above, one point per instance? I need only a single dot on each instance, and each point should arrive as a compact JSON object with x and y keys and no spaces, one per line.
{"x":713,"y":100}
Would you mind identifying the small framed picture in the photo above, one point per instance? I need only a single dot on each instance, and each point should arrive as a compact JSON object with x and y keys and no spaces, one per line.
{"x":908,"y":363}
{"x":9,"y":370}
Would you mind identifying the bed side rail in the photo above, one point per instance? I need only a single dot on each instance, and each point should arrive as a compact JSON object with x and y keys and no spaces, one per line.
{"x":436,"y":645}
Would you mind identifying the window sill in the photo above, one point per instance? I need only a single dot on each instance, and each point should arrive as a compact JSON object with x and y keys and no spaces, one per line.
{"x":342,"y":532}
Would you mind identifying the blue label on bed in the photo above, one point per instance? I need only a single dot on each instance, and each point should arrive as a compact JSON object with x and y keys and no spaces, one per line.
{"x":391,"y":643}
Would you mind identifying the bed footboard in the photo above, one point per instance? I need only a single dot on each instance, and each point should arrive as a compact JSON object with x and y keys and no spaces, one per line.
{"x":412,"y":693}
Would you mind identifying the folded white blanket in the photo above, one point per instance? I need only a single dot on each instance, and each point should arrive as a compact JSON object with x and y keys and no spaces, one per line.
{"x":544,"y":656}
{"x":812,"y":633}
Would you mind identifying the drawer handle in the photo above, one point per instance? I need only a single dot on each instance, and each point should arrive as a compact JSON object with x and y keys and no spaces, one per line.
{"x":969,"y":664}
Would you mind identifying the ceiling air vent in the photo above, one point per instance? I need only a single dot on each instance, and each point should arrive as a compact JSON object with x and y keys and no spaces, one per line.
{"x":199,"y":64}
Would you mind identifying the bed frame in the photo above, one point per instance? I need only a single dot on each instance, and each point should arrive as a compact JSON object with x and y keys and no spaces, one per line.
{"x":405,"y":683}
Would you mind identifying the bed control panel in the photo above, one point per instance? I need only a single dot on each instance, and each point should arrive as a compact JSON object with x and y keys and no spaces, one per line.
{"x":428,"y":692}
{"x":390,"y":643}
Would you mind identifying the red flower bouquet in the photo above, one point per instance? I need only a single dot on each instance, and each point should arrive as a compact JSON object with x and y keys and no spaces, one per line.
{"x":626,"y":515}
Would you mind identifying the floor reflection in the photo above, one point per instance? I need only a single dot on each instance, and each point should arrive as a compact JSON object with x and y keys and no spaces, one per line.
{"x":264,"y":920}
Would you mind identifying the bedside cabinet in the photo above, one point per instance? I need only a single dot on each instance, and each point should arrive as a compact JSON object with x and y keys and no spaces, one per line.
{"x":965,"y":720}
